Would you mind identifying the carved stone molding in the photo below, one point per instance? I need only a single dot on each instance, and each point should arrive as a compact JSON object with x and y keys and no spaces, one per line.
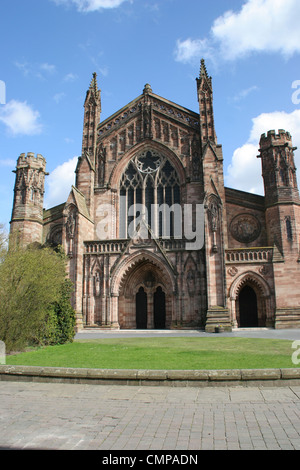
{"x":264,"y":270}
{"x":232,"y":271}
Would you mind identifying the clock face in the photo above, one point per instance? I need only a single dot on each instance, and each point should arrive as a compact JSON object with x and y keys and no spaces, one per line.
{"x":148,"y":162}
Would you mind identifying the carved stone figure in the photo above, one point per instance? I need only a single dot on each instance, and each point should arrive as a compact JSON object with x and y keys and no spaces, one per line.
{"x":71,"y":224}
{"x":101,"y":164}
{"x":213,"y":213}
{"x":97,"y":284}
{"x":191,"y":282}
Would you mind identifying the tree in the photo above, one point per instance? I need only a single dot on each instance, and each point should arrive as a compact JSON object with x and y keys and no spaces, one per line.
{"x":3,"y":243}
{"x":31,"y":281}
{"x":60,"y":325}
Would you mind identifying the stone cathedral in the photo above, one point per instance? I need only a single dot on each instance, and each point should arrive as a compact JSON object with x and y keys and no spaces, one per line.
{"x":156,"y":168}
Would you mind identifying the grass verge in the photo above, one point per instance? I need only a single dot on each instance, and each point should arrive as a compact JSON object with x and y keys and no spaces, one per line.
{"x":162,"y":353}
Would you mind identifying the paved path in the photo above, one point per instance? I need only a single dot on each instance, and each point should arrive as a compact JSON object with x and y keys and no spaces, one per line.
{"x":271,"y":333}
{"x":69,"y":416}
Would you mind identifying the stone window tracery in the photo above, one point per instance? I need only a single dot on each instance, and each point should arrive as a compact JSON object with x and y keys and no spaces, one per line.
{"x":148,"y":180}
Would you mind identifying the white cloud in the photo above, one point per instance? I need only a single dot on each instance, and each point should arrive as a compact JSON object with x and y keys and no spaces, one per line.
{"x":70,"y":77}
{"x":8,"y":162}
{"x":36,"y":70}
{"x":91,"y":5}
{"x":277,"y":120}
{"x":20,"y":118}
{"x":49,"y":68}
{"x":244,"y":171}
{"x":244,"y":93}
{"x":259,"y":26}
{"x":59,"y":182}
{"x":23,"y":66}
{"x":189,"y":49}
{"x":58,"y":97}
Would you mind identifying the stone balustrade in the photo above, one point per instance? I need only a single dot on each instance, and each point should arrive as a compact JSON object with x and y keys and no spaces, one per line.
{"x":118,"y":246}
{"x":249,"y":255}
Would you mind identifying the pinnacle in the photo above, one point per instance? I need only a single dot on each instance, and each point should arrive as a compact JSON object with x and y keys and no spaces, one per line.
{"x":203,"y":70}
{"x":204,"y":77}
{"x":147,"y":88}
{"x":94,"y":82}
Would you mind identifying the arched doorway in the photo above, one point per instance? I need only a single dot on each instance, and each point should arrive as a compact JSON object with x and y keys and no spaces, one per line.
{"x":137,"y":282}
{"x":248,"y":311}
{"x":159,"y":304}
{"x":252,"y":301}
{"x":141,"y":309}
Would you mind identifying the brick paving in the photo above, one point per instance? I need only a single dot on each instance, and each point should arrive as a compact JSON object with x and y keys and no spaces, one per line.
{"x":110,"y":417}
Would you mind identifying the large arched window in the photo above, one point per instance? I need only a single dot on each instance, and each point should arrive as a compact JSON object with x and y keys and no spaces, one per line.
{"x":150,"y":185}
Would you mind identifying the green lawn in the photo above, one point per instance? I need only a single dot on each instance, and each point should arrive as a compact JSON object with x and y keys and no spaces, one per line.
{"x":162,"y":353}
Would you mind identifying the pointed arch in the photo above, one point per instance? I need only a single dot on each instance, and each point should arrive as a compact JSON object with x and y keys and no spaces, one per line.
{"x":121,"y":165}
{"x":250,"y":277}
{"x":143,"y":272}
{"x":97,"y":265}
{"x":252,"y":290}
{"x":190,"y":260}
{"x":122,"y":270}
{"x":150,"y":182}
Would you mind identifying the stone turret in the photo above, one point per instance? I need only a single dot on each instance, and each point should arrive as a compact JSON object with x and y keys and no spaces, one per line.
{"x":27,"y":214}
{"x":278,"y":167}
{"x":281,"y":190}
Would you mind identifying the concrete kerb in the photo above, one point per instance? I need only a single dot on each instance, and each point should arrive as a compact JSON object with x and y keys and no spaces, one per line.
{"x":200,"y":378}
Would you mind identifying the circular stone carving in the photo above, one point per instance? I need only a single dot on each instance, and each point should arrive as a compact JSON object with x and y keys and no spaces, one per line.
{"x":233,"y":271}
{"x":55,"y":236}
{"x":245,"y":228}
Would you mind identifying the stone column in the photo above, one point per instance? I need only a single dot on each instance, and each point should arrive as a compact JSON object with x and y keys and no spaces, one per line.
{"x":114,"y":302}
{"x":233,"y":313}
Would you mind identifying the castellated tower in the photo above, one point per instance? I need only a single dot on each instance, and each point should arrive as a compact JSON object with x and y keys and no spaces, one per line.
{"x":282,"y":212}
{"x":282,"y":200}
{"x":27,"y":213}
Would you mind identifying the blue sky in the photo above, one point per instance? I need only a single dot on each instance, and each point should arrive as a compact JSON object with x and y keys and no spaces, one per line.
{"x":50,"y":49}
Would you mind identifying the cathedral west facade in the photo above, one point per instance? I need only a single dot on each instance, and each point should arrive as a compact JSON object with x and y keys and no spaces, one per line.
{"x":153,"y":237}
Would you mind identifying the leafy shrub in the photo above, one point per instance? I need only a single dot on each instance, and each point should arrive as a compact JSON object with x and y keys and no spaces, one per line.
{"x":60,"y":323}
{"x":34,"y":297}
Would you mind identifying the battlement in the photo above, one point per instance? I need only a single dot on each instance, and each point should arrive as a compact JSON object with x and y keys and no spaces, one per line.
{"x":273,"y":139}
{"x":31,"y":160}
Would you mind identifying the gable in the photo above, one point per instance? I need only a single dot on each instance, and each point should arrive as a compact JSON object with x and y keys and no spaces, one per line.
{"x":77,"y":199}
{"x":148,"y":117}
{"x":161,"y":107}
